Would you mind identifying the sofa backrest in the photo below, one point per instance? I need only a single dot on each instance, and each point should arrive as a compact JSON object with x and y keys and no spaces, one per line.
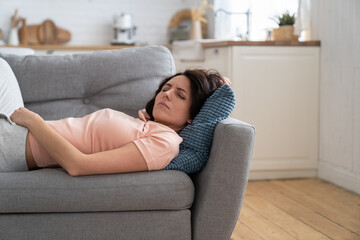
{"x":58,"y":86}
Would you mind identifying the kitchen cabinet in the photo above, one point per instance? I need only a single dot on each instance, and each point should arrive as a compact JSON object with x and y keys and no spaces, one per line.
{"x":218,"y":58}
{"x":277,"y":91}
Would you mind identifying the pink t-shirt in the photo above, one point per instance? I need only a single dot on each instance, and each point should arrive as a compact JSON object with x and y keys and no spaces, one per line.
{"x":109,"y":129}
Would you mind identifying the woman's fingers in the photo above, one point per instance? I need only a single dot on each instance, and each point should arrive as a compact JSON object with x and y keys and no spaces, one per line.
{"x":143,"y":114}
{"x":17,"y":116}
{"x":22,"y":116}
{"x":226,"y":80}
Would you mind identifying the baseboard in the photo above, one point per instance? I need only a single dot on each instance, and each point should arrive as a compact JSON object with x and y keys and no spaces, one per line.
{"x":339,"y":177}
{"x":281,"y":174}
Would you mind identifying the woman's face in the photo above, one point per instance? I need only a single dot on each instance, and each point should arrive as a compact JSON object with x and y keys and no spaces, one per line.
{"x":173,"y":102}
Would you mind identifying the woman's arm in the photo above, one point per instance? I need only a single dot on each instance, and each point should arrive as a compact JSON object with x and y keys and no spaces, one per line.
{"x":125,"y":159}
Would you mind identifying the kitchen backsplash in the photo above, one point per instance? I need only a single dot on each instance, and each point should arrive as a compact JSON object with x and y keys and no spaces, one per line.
{"x":90,"y":21}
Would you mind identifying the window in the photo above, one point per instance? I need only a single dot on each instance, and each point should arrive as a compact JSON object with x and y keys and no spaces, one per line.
{"x":231,"y":17}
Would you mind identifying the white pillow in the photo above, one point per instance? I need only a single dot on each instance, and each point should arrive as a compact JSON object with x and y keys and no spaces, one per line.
{"x":10,"y":94}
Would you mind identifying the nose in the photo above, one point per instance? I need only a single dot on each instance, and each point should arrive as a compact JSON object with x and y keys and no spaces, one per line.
{"x":167,"y":94}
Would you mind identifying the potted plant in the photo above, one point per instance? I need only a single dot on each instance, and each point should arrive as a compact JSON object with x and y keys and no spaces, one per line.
{"x":286,"y":27}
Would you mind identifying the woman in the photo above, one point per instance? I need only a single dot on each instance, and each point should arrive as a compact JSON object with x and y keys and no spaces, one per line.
{"x":109,"y":141}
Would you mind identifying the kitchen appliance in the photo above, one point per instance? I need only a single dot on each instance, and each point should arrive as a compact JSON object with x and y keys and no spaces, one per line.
{"x":124,"y":30}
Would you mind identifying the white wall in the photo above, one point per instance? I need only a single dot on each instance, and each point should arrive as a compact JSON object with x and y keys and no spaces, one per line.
{"x":90,"y":21}
{"x":337,"y":24}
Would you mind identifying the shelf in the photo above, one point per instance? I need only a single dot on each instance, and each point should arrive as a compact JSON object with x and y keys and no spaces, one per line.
{"x":225,"y":43}
{"x":74,"y":47}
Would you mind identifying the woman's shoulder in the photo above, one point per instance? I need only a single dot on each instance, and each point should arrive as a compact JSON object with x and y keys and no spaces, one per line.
{"x":158,"y":129}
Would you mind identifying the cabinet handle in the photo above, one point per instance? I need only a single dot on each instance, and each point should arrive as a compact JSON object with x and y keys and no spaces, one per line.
{"x":216,"y":51}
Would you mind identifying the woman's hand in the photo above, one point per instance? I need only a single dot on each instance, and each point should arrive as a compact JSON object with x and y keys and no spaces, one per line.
{"x":225,"y":80}
{"x":144,"y":115}
{"x":24,"y":117}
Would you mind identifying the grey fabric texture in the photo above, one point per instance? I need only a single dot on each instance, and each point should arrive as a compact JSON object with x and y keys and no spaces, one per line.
{"x":12,"y":146}
{"x":75,"y":85}
{"x":220,"y":186}
{"x":52,"y":190}
{"x":149,"y":225}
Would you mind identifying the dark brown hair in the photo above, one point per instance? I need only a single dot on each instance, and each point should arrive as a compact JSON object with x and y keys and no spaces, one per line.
{"x":203,"y":83}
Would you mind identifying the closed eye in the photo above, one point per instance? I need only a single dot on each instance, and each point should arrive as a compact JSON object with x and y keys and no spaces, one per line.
{"x":180,"y":96}
{"x":179,"y":91}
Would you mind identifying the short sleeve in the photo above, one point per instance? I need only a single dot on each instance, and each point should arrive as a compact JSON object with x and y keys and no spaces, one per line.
{"x":158,"y":148}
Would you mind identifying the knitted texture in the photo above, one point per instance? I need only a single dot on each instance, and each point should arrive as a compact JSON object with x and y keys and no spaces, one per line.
{"x":198,"y":136}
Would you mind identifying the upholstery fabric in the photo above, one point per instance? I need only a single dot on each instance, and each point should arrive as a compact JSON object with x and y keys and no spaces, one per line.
{"x":52,"y":190}
{"x":220,"y":186}
{"x":12,"y":146}
{"x":127,"y":225}
{"x":197,"y":137}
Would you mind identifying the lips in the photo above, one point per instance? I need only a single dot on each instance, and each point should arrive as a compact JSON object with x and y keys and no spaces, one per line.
{"x":164,"y":104}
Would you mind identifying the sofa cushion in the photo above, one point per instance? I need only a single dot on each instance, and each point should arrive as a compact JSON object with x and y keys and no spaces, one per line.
{"x":56,"y":86}
{"x":52,"y":190}
{"x":198,"y":136}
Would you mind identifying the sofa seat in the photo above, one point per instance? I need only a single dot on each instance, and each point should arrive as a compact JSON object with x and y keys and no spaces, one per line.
{"x":52,"y":190}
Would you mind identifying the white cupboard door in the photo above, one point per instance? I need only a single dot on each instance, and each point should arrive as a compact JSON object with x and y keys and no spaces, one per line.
{"x":277,"y":91}
{"x":214,"y":58}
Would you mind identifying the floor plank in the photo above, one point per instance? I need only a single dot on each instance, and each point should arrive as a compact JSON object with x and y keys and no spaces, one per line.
{"x":319,"y":206}
{"x":298,"y":209}
{"x":263,"y":227}
{"x":288,"y":223}
{"x":243,"y":232}
{"x":319,"y":222}
{"x":335,"y":196}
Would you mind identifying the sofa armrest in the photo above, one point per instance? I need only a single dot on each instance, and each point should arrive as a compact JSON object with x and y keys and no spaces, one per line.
{"x":220,"y":186}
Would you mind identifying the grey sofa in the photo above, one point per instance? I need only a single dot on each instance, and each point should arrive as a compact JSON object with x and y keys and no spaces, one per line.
{"x":50,"y":204}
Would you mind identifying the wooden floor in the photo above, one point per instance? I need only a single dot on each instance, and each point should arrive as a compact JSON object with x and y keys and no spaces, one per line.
{"x":298,"y":209}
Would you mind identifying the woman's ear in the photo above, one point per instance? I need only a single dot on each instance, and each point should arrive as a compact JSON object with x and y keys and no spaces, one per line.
{"x":189,"y":121}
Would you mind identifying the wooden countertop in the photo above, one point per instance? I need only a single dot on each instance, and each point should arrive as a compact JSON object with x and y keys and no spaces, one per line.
{"x":205,"y":43}
{"x":74,"y":47}
{"x":226,"y":43}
